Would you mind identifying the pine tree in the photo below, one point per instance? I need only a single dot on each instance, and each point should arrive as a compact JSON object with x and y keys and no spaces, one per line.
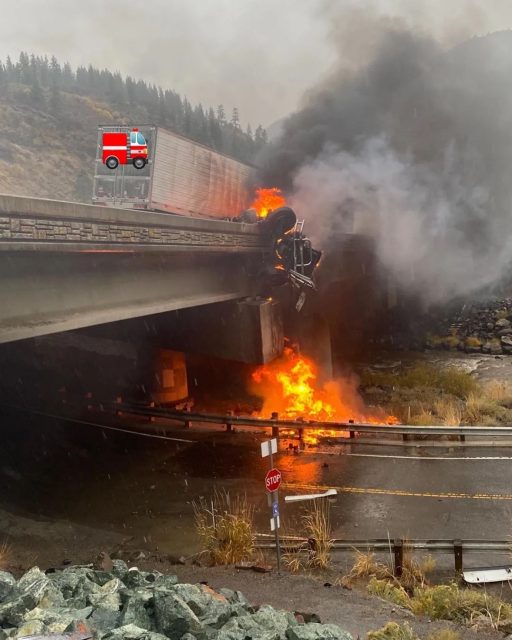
{"x":221,"y":115}
{"x":235,"y":118}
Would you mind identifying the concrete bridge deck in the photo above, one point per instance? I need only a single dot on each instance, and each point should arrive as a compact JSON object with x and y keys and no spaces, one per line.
{"x":66,"y":265}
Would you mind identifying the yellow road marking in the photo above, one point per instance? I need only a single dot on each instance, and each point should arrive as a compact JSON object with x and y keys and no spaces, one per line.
{"x":398,"y":492}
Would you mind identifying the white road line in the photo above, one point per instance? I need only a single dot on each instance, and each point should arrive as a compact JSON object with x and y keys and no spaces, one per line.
{"x":380,"y":455}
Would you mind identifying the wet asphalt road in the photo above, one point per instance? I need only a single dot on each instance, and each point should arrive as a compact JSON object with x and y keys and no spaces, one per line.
{"x":145,"y":488}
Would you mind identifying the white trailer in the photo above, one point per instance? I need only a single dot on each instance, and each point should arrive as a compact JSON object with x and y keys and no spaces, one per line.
{"x":182,"y":177}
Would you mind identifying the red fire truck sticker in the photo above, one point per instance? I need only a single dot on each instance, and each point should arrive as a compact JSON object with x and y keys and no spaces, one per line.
{"x":128,"y":147}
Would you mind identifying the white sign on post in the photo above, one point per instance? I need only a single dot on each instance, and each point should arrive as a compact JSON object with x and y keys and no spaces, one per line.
{"x":268,"y":447}
{"x":273,"y":523}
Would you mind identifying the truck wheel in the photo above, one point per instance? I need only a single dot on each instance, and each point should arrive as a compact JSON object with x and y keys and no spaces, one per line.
{"x":280,"y":221}
{"x":112,"y":162}
{"x":139,"y":163}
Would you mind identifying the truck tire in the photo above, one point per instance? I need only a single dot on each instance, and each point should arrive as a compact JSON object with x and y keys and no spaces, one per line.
{"x":139,"y":163}
{"x":279,"y":221}
{"x":112,"y":162}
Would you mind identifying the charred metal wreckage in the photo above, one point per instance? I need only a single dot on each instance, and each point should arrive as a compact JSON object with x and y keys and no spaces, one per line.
{"x":294,"y":258}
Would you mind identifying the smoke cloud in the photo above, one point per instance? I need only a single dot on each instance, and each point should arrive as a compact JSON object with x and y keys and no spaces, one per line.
{"x":412,"y":141}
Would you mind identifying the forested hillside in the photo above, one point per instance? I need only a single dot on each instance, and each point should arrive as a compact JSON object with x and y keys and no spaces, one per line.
{"x":49,"y":114}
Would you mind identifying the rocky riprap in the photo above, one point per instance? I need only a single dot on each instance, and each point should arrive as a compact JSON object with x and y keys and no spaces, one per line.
{"x":128,"y":604}
{"x":478,"y":328}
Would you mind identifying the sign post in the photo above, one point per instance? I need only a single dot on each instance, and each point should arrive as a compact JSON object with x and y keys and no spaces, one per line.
{"x":272,"y":483}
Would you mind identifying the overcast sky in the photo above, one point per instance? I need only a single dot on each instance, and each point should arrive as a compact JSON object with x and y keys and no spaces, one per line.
{"x":258,"y":55}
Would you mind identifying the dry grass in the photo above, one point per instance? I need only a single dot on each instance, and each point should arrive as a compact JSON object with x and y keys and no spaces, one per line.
{"x":498,"y":391}
{"x":444,"y":634}
{"x":5,"y":555}
{"x":316,"y":525}
{"x":366,"y":566}
{"x":473,"y":342}
{"x":449,"y":411}
{"x":393,"y":631}
{"x":225,"y":528}
{"x":389,"y":591}
{"x":447,"y":380}
{"x":415,"y":573}
{"x":447,"y":602}
{"x":480,"y":407}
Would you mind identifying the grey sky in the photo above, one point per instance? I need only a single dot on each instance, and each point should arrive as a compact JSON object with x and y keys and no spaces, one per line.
{"x":259,"y":55}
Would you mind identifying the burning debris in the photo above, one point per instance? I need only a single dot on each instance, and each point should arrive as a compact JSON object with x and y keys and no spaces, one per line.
{"x":292,"y":387}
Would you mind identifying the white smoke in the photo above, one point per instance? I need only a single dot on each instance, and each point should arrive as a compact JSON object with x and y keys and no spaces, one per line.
{"x":419,"y":218}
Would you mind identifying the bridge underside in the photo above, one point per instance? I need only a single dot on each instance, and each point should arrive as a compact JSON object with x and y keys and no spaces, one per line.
{"x":66,"y":266}
{"x":47,"y":292}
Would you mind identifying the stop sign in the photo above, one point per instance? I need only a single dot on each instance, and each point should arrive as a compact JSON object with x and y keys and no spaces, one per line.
{"x":273,"y":480}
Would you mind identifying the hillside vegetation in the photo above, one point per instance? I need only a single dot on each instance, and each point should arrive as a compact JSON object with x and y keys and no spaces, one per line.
{"x":49,"y":116}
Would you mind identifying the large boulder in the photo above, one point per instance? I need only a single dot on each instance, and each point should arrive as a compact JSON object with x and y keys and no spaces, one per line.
{"x":7,"y":585}
{"x":107,"y":596}
{"x":174,"y":618}
{"x":315,"y":631}
{"x":104,"y":620}
{"x":266,"y":624}
{"x":56,"y":620}
{"x":210,"y":607}
{"x":132,"y":632}
{"x":138,"y":607}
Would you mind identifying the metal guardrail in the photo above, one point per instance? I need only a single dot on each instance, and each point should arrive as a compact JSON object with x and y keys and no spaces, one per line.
{"x":300,"y":425}
{"x":395,"y":546}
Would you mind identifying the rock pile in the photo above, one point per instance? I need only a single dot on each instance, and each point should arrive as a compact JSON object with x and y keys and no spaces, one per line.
{"x":128,"y":604}
{"x":477,"y":328}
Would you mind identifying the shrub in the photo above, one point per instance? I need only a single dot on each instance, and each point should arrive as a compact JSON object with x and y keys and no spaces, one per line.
{"x":481,"y":408}
{"x":317,"y":526}
{"x":387,"y":591}
{"x":365,"y":566}
{"x":225,"y":528}
{"x":448,"y":380}
{"x":393,"y":631}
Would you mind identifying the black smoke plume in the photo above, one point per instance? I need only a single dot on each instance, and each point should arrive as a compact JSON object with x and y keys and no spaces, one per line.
{"x":414,"y":147}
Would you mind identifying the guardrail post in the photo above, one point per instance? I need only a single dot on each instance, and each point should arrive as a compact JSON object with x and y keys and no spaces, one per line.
{"x":301,"y":433}
{"x":186,"y":424}
{"x":275,"y":429}
{"x":462,"y":438}
{"x":151,"y":406}
{"x":119,"y":400}
{"x":398,"y":558}
{"x":352,"y":434}
{"x":457,"y":551}
{"x":405,"y":437}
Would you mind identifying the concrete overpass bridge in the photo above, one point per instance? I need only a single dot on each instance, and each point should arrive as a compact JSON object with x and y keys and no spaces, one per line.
{"x":67,"y":266}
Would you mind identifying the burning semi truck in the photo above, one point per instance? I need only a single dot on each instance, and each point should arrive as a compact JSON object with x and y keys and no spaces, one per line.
{"x":149,"y":168}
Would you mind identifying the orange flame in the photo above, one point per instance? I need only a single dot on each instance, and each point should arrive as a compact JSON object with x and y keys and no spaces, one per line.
{"x":290,"y":386}
{"x":266,"y":200}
